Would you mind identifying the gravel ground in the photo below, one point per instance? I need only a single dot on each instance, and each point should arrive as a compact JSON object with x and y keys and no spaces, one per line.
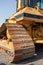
{"x":36,"y":60}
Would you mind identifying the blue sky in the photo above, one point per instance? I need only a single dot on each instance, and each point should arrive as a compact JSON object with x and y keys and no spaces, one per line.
{"x":7,"y":8}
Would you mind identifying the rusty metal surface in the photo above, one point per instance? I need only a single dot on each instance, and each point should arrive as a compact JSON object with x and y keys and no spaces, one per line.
{"x":23,"y":44}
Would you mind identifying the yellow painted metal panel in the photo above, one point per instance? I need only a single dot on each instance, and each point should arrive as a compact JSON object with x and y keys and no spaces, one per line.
{"x":39,"y":41}
{"x":6,"y":44}
{"x":11,"y":21}
{"x":8,"y":35}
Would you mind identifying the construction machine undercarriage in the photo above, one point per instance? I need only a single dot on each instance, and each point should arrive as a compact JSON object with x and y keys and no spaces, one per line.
{"x":20,"y":33}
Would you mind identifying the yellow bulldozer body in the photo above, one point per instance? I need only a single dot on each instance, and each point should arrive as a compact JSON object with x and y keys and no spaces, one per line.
{"x":20,"y":33}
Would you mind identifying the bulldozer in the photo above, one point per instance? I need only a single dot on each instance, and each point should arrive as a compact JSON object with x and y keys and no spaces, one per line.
{"x":21,"y":31}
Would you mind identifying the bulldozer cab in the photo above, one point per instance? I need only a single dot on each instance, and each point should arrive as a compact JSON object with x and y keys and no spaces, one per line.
{"x":29,"y":3}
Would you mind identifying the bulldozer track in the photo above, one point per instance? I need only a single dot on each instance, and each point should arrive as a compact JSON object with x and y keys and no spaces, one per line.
{"x":22,"y":42}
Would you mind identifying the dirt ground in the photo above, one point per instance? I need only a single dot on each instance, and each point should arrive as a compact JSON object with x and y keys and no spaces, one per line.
{"x":36,"y":60}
